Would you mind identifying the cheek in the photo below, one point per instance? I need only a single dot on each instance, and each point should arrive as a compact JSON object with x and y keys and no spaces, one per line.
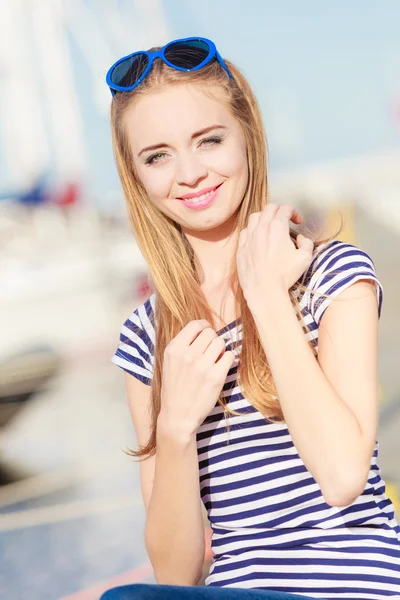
{"x":237,"y":166}
{"x":233,"y":161}
{"x":157,"y":183}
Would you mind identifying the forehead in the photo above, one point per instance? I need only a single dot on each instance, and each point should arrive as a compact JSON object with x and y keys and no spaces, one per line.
{"x":173,"y":113}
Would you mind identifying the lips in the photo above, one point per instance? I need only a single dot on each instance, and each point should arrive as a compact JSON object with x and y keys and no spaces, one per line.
{"x":200,"y":193}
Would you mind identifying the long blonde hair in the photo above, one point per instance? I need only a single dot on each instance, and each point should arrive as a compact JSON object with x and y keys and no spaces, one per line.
{"x":169,"y":256}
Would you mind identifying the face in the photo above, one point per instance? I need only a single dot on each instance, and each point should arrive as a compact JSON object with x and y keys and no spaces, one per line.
{"x":185,"y":143}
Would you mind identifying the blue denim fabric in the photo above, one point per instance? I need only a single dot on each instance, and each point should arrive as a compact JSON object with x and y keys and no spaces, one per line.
{"x":142,"y":591}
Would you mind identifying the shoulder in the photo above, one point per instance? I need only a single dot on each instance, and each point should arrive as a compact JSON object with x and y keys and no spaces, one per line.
{"x":135,"y":351}
{"x":141,"y":321}
{"x":336,"y":257}
{"x":336,"y":265}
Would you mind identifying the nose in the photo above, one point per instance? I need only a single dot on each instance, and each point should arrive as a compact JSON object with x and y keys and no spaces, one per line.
{"x":189,"y":170}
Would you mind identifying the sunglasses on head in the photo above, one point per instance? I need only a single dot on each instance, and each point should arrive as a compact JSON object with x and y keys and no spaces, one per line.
{"x":188,"y":54}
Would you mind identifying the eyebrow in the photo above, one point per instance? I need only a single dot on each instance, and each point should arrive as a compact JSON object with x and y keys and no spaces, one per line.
{"x":195,"y":135}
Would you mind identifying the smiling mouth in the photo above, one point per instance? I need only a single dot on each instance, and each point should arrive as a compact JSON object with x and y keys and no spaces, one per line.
{"x":199,"y":197}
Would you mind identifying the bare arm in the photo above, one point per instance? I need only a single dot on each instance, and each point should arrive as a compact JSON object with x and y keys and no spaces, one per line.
{"x":195,"y":367}
{"x":175,"y":528}
{"x":330,"y":405}
{"x":174,"y":531}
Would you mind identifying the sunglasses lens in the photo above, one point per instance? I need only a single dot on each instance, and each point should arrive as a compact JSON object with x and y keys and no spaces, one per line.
{"x":187,"y":55}
{"x":128,"y":71}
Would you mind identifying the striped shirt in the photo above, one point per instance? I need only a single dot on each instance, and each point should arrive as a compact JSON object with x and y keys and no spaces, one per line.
{"x":272,"y":528}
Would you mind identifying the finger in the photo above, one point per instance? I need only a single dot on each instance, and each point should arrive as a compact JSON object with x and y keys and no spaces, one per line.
{"x":203,"y":340}
{"x":288,"y":213}
{"x":190,"y":332}
{"x":225,"y":363}
{"x":305,"y":244}
{"x":253,"y":222}
{"x":213,"y":351}
{"x":296,"y":217}
{"x":269,"y":213}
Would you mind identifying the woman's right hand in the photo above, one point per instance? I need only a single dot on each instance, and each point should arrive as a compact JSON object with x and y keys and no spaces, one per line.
{"x":195,"y":368}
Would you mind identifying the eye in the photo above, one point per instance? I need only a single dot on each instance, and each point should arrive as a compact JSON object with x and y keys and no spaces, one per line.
{"x":154,"y":157}
{"x":215,"y":139}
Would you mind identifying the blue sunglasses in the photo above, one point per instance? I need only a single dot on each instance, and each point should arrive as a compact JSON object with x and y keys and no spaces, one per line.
{"x":188,"y":54}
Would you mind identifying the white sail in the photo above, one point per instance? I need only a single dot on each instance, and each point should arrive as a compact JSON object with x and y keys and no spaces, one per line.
{"x":57,"y":83}
{"x":22,"y":131}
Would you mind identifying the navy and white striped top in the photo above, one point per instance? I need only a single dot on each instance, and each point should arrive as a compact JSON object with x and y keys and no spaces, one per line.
{"x":271,"y":526}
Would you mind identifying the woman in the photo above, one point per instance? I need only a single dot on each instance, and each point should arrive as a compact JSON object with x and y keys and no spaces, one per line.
{"x":280,"y":446}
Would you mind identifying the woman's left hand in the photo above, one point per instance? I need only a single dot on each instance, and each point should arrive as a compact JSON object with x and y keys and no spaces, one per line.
{"x":266,"y":256}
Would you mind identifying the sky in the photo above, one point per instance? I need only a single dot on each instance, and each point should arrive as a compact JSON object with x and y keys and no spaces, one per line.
{"x":326,"y":75}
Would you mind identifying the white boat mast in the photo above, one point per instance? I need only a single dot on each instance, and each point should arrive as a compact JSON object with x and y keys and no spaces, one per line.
{"x":68,"y":143}
{"x":22,"y":131}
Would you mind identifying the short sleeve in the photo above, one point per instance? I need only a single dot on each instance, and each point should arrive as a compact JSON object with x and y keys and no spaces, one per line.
{"x":336,"y":267}
{"x":135,"y":352}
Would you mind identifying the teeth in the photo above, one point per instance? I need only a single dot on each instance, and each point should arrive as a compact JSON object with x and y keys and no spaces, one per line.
{"x":199,"y":198}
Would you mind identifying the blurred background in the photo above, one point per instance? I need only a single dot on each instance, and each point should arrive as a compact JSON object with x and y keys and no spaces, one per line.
{"x":327,"y":76}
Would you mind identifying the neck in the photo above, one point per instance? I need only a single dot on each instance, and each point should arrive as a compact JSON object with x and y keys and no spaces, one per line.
{"x":213,"y":251}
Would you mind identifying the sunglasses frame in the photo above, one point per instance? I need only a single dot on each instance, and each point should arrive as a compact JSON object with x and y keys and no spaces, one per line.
{"x":213,"y":52}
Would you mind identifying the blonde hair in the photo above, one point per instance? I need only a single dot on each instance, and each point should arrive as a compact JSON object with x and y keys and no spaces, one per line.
{"x":169,"y":256}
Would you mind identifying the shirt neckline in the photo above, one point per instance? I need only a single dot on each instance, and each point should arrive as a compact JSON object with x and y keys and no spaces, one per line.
{"x":229,"y":326}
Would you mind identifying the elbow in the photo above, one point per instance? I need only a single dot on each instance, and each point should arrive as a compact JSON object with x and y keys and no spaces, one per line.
{"x":341,"y":498}
{"x":344,"y":491}
{"x":177,"y":577}
{"x":174,"y":568}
